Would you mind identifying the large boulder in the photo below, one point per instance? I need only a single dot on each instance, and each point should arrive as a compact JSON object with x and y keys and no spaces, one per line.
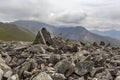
{"x":83,"y":68}
{"x":43,"y":37}
{"x":66,"y":67}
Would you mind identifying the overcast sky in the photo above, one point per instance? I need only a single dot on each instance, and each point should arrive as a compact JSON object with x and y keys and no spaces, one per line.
{"x":93,"y":14}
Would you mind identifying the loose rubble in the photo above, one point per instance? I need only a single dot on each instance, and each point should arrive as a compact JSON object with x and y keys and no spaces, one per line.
{"x":50,"y":58}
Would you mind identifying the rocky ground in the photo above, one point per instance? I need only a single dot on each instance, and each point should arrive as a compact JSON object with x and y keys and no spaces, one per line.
{"x":54,"y":59}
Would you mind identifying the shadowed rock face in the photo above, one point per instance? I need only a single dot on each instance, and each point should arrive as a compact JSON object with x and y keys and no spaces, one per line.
{"x":55,"y":59}
{"x":39,"y":39}
{"x":43,"y":37}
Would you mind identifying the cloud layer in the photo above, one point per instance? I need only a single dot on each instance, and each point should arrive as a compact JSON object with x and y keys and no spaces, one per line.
{"x":93,"y":14}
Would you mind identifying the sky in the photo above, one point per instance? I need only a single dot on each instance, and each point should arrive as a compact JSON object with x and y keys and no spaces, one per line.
{"x":92,"y":14}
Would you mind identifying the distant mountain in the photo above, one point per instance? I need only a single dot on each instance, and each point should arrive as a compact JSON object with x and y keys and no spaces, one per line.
{"x":75,"y":33}
{"x":10,"y":32}
{"x":81,"y":34}
{"x":33,"y":26}
{"x":111,"y":33}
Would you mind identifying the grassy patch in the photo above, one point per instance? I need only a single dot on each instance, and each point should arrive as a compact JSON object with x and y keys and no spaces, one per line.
{"x":9,"y":32}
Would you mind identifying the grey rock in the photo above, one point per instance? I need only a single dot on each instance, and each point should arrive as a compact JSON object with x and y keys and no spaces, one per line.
{"x":39,"y":39}
{"x":117,"y":78}
{"x":58,"y":41}
{"x":95,"y":44}
{"x":83,"y":68}
{"x":8,"y":74}
{"x":1,"y":74}
{"x":47,"y":36}
{"x":81,"y":78}
{"x":104,"y":76}
{"x":24,"y":67}
{"x":6,"y":57}
{"x":115,"y":62}
{"x":96,"y":70}
{"x":42,"y":76}
{"x":118,"y":73}
{"x":58,"y":76}
{"x":14,"y":77}
{"x":50,"y":70}
{"x":43,"y":37}
{"x":65,"y":67}
{"x":4,"y":66}
{"x":20,"y":48}
{"x":1,"y":60}
{"x":27,"y":74}
{"x":54,"y":58}
{"x":102,"y":43}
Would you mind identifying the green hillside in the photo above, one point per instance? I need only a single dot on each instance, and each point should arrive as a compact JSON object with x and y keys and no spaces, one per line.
{"x":10,"y":32}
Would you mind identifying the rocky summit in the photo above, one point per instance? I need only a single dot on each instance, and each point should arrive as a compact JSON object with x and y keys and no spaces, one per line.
{"x":52,"y":58}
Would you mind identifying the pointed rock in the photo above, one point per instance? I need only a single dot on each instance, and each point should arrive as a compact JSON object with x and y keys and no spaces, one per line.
{"x":47,"y":36}
{"x":39,"y":39}
{"x":43,"y":37}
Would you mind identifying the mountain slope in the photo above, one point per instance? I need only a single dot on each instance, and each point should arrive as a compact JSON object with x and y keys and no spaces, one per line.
{"x":10,"y":32}
{"x":33,"y":26}
{"x":81,"y":34}
{"x":76,"y":33}
{"x":111,"y":33}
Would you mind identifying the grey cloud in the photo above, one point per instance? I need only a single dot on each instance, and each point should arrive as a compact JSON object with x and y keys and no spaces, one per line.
{"x":101,"y":24}
{"x":70,"y":17}
{"x":101,"y":14}
{"x":23,"y":9}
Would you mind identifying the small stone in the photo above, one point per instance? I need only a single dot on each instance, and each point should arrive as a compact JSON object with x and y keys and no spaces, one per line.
{"x":4,"y":67}
{"x":54,"y":58}
{"x":20,"y":48}
{"x":1,"y":60}
{"x":42,"y":50}
{"x":104,"y":76}
{"x":27,"y":74}
{"x":58,"y":76}
{"x":95,"y":44}
{"x":14,"y":77}
{"x":81,"y":78}
{"x":96,"y":70}
{"x":102,"y":43}
{"x":118,"y":73}
{"x":1,"y":74}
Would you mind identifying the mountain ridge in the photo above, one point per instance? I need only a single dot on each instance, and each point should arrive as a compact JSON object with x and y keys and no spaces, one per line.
{"x":111,"y":33}
{"x":78,"y":33}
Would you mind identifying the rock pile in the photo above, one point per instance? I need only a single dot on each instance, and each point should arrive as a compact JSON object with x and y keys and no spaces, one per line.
{"x":50,"y":58}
